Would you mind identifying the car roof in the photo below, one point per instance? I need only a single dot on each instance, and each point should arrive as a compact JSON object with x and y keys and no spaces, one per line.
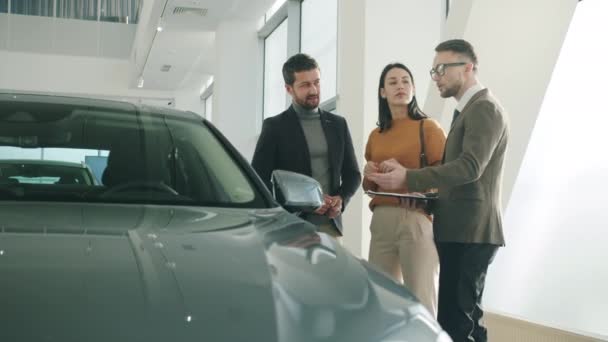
{"x":41,"y":162}
{"x":93,"y":102}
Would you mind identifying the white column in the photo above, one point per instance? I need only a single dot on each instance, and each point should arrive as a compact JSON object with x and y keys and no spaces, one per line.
{"x":237,"y":84}
{"x":371,"y":34}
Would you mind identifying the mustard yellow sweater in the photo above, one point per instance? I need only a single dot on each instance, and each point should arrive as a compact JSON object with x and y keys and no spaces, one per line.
{"x":402,"y":142}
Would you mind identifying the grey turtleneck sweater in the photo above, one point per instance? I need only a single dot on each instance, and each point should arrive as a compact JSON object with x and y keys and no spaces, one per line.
{"x":317,"y":147}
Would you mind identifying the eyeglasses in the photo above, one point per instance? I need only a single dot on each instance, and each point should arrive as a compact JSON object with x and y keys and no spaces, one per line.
{"x":439,"y":70}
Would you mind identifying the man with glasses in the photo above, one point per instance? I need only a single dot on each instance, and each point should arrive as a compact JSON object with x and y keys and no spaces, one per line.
{"x":468,"y":216}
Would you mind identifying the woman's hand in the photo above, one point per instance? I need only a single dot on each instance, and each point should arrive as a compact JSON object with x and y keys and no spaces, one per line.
{"x":370,"y":168}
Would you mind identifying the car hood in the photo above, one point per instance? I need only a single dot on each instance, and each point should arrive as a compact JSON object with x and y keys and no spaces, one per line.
{"x":91,"y":272}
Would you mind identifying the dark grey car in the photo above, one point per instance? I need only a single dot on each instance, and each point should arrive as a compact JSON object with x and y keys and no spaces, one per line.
{"x":181,"y":242}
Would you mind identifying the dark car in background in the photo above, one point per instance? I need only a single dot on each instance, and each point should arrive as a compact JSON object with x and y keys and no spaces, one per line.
{"x":41,"y":171}
{"x":180,"y":241}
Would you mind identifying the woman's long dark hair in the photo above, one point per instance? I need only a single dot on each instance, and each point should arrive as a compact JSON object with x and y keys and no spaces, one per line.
{"x":384,"y":113}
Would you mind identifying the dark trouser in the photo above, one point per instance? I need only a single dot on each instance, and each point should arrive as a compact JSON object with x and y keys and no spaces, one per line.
{"x":462,"y":276}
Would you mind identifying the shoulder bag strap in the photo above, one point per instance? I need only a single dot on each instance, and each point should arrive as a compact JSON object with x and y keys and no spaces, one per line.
{"x":423,"y":159}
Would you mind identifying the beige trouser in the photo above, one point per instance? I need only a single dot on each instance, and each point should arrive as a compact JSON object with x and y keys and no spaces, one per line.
{"x":402,"y":245}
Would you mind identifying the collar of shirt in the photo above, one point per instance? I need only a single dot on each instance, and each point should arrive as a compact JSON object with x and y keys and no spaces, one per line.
{"x":305,"y":113}
{"x":468,"y":95}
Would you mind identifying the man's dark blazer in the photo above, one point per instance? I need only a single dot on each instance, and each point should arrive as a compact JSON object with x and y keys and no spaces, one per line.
{"x":469,"y":181}
{"x":282,"y":146}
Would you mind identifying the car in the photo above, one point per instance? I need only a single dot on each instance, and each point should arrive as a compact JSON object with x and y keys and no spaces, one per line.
{"x":181,"y":240}
{"x":45,"y":172}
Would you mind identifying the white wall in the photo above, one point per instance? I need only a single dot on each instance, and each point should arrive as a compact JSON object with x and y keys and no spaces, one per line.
{"x":372,"y":34}
{"x":350,"y":104}
{"x":69,"y":75}
{"x":61,"y":36}
{"x":190,"y":100}
{"x":237,"y":84}
{"x":553,"y":268}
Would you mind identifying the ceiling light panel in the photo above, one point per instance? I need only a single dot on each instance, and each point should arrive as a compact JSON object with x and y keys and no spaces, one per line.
{"x":201,"y":12}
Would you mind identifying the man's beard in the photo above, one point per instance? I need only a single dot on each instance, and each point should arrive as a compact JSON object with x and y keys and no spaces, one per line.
{"x":449,"y":92}
{"x":308,"y":103}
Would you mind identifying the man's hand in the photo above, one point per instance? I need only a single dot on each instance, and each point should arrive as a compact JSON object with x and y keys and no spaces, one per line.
{"x":322,"y":210}
{"x":335,"y":208}
{"x":334,"y":212}
{"x":332,"y":206}
{"x":389,"y":165}
{"x":393,"y":176}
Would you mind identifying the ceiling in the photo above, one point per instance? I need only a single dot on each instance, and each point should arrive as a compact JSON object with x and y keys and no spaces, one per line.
{"x":181,"y":56}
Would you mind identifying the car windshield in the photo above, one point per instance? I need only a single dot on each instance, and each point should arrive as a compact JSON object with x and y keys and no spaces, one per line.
{"x":64,"y":149}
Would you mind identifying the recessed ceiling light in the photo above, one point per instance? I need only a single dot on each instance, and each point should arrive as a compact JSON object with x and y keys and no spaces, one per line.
{"x":159,"y":29}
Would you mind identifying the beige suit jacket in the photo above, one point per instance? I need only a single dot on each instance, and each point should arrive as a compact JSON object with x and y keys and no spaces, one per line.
{"x":469,"y":181}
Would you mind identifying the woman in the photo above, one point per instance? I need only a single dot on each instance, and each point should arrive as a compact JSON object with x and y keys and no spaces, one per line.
{"x":402,"y":233}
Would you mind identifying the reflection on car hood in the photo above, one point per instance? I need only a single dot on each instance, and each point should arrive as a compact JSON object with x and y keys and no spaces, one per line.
{"x":86,"y":272}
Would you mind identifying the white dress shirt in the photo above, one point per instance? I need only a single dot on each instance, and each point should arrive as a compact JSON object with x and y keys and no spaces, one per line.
{"x":468,"y":95}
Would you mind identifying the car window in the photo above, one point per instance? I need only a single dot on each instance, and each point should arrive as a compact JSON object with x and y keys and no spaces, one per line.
{"x":48,"y":171}
{"x":86,"y":153}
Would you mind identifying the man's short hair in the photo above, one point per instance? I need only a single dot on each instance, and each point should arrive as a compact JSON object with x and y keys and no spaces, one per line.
{"x":297,"y":63}
{"x":459,"y":46}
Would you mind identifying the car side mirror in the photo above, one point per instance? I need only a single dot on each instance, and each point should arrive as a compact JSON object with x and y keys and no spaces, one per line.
{"x":296,"y":192}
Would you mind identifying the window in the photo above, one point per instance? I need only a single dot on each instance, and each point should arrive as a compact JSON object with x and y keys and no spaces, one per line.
{"x":124,"y":11}
{"x":42,"y":8}
{"x":273,"y":9}
{"x":119,"y":11}
{"x":55,"y":166}
{"x":448,"y":4}
{"x":207,"y":97}
{"x":319,"y":37}
{"x":85,"y":10}
{"x":209,"y":107}
{"x":275,"y":54}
